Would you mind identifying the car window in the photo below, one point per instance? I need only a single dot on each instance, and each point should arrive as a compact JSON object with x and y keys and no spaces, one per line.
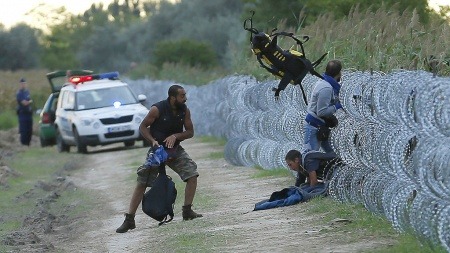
{"x":68,"y":100}
{"x":71,"y":100}
{"x":54,"y":102}
{"x":61,"y":99}
{"x":106,"y":97}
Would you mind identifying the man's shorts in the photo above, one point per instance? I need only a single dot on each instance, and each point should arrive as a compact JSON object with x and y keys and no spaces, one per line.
{"x":181,"y":163}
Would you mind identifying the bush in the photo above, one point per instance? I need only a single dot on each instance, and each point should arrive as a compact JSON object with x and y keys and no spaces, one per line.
{"x":380,"y":40}
{"x":186,"y":52}
{"x":8,"y":120}
{"x":179,"y":73}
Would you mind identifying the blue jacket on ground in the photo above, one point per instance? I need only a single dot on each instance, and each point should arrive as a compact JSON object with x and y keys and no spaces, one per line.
{"x":291,"y":196}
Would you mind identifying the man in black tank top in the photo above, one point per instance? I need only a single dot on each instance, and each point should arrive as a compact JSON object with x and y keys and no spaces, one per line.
{"x":170,"y":123}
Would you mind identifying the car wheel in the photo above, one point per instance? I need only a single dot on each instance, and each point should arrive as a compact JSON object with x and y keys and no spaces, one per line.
{"x":61,"y":146}
{"x":129,"y":143}
{"x":81,"y":147}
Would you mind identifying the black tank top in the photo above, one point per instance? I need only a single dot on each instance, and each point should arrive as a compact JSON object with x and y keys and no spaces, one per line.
{"x":167,"y":123}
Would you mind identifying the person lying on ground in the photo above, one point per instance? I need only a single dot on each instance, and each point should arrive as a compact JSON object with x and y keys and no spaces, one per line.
{"x":310,"y":167}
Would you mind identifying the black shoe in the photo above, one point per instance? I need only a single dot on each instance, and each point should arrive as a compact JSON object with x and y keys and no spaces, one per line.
{"x":127,"y":224}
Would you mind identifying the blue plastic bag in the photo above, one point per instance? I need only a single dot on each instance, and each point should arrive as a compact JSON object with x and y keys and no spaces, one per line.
{"x":155,"y":158}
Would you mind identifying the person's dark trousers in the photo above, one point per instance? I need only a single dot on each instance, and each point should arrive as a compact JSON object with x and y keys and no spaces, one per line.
{"x":25,"y":128}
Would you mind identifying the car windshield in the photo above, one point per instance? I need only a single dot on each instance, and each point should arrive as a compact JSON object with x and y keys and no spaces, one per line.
{"x":114,"y":96}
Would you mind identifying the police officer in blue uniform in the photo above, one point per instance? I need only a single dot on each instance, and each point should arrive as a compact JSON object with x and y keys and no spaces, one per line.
{"x":25,"y":113}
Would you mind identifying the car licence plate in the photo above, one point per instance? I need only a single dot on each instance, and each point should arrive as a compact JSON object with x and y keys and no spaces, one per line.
{"x":118,"y":129}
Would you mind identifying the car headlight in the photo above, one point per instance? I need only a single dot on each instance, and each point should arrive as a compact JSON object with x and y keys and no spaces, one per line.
{"x":138,"y":118}
{"x":86,"y":121}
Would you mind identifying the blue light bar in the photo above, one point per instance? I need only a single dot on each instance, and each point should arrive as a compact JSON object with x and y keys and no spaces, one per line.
{"x":109,"y":75}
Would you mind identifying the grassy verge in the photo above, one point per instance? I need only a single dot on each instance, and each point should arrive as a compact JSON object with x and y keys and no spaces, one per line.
{"x":217,"y":142}
{"x":37,"y":84}
{"x":8,"y":119}
{"x":277,"y":172}
{"x":213,"y":140}
{"x":18,"y":200}
{"x":363,"y":224}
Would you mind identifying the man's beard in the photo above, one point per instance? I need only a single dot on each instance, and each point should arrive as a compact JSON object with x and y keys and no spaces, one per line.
{"x":179,"y":105}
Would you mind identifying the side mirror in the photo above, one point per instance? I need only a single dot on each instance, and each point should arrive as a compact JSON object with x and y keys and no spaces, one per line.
{"x":142,"y":97}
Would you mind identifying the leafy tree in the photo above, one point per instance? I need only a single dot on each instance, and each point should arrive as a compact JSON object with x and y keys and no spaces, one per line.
{"x":104,"y":50}
{"x":216,"y":23}
{"x":270,"y":13}
{"x":186,"y":52}
{"x":59,"y":47}
{"x":81,"y":40}
{"x":126,"y":13}
{"x":65,"y":38}
{"x":19,"y":48}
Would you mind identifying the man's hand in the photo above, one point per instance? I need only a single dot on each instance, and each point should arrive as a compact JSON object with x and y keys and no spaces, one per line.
{"x":170,"y":141}
{"x":155,"y":144}
{"x":277,"y":93}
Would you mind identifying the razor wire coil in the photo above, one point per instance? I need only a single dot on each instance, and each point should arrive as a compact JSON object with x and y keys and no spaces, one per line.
{"x":393,"y":137}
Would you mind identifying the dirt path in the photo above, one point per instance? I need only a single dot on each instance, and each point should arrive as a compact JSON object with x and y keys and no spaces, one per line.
{"x":225,"y":196}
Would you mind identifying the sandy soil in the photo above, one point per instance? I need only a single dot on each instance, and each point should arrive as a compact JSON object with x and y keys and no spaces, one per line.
{"x":225,"y":196}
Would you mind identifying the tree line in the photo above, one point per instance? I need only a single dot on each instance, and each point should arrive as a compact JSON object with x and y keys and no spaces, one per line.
{"x":127,"y":33}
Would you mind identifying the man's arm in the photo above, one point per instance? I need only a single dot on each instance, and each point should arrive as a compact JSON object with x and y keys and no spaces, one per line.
{"x":22,"y":100}
{"x":312,"y":178}
{"x":324,"y":109}
{"x":146,"y":123}
{"x":26,"y":102}
{"x":301,"y":178}
{"x":186,"y":134}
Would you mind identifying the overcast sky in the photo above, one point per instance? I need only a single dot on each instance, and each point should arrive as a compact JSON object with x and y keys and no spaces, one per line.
{"x":13,"y":12}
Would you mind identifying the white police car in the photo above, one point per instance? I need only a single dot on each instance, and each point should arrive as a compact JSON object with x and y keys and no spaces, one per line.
{"x":95,"y":110}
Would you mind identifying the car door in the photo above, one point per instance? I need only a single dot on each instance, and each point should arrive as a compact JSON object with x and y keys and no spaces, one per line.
{"x":65,"y":114}
{"x":58,"y":78}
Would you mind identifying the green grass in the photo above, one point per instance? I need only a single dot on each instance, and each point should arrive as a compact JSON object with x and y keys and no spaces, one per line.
{"x":213,"y":140}
{"x":8,"y":120}
{"x":216,"y":155}
{"x":196,"y":242}
{"x":357,"y":214}
{"x":198,"y":236}
{"x":217,"y":142}
{"x":37,"y":84}
{"x":409,"y":243}
{"x":18,"y":200}
{"x":203,"y":201}
{"x":277,"y":172}
{"x":73,"y":203}
{"x":364,"y":224}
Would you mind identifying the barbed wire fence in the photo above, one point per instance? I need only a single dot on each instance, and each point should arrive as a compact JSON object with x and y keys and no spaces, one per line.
{"x":393,"y":136}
